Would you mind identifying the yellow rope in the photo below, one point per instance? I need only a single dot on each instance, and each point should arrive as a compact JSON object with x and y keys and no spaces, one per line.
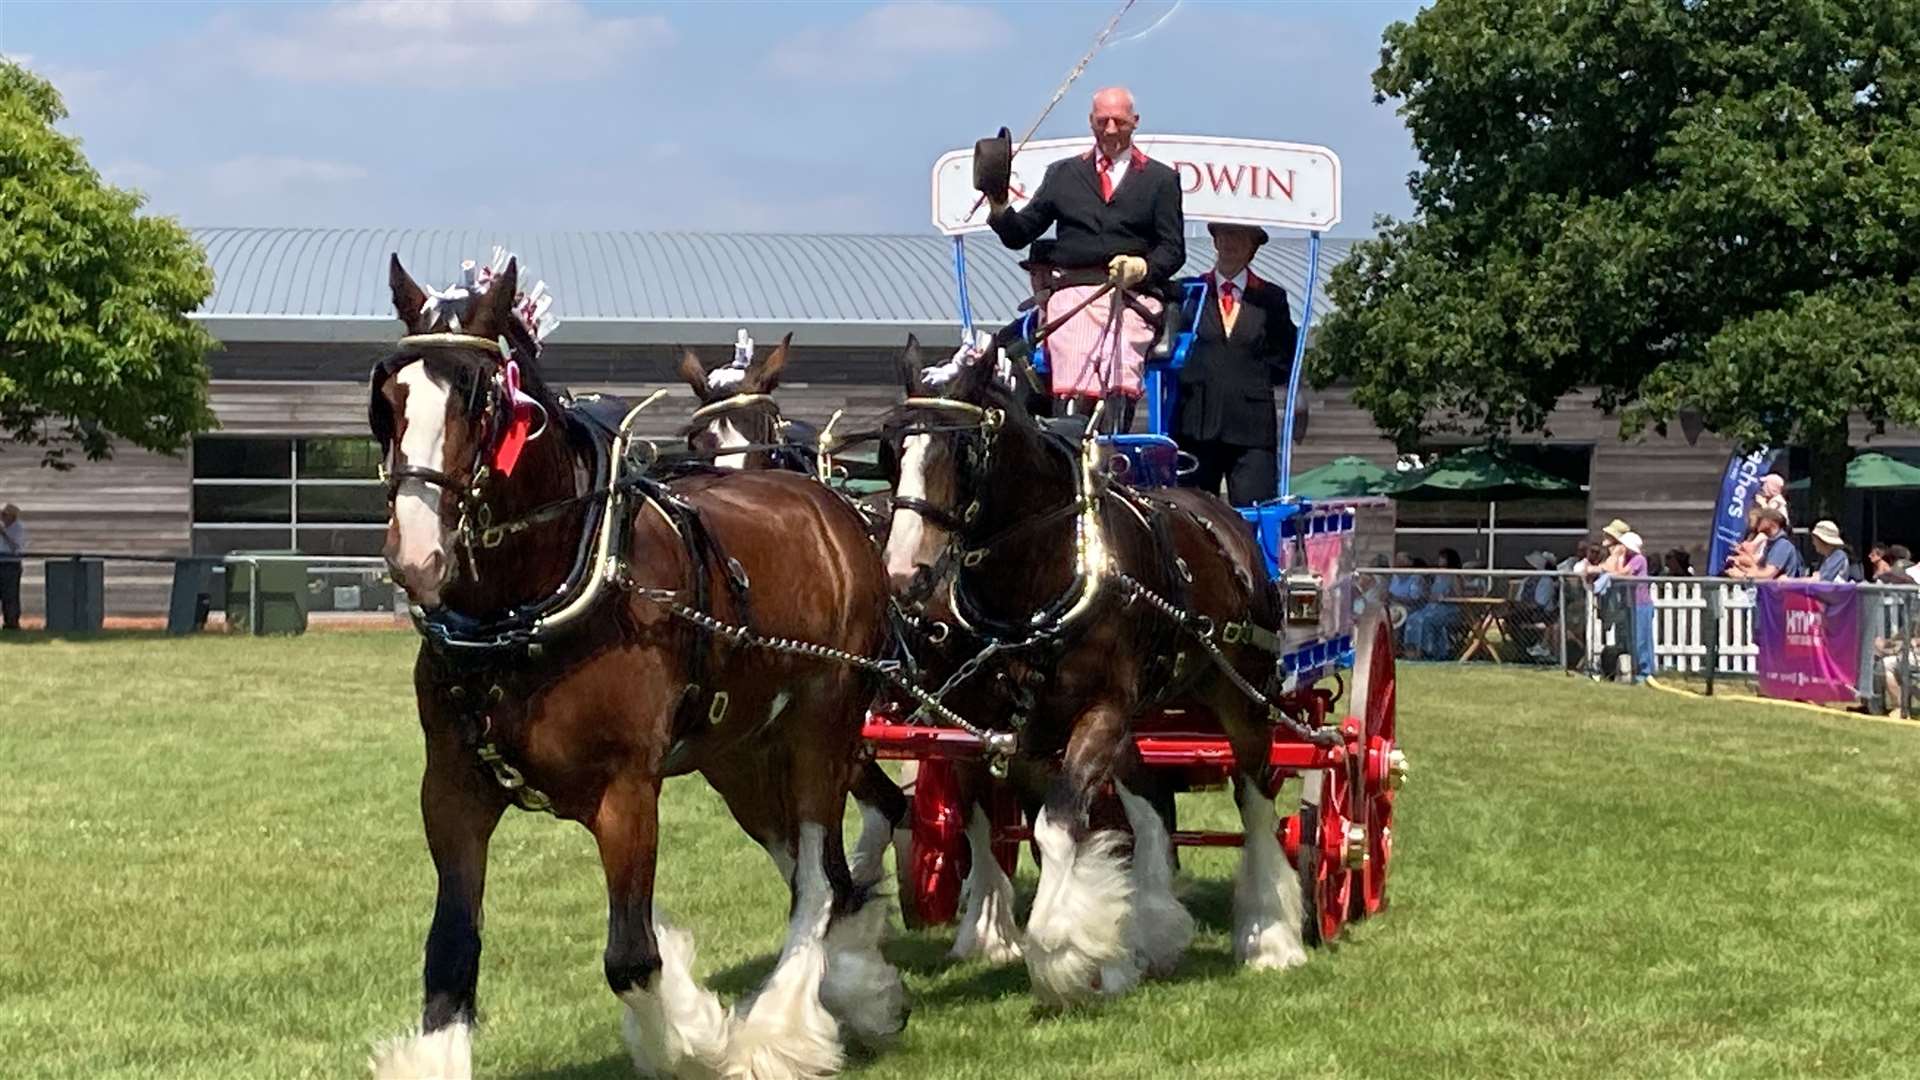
{"x":1751,"y":699}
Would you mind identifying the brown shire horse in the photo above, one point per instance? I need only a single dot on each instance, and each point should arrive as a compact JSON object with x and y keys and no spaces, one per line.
{"x":1031,"y":548}
{"x":743,"y":415}
{"x":554,"y":676}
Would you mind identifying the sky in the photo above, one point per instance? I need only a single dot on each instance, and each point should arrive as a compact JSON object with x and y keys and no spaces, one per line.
{"x":724,"y":116}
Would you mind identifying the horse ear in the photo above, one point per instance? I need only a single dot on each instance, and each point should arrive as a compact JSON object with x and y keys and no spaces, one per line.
{"x":764,"y":374}
{"x":695,"y":375}
{"x":910,"y":362}
{"x":408,"y":297}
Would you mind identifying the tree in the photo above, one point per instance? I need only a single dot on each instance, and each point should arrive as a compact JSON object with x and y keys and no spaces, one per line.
{"x":95,"y":344}
{"x":1707,"y":205}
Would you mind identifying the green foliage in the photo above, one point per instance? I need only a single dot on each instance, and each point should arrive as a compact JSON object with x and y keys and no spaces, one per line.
{"x":1707,"y":205}
{"x":94,"y":341}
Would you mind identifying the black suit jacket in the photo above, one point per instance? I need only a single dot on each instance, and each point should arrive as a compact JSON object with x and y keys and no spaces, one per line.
{"x":1143,"y":219}
{"x":1226,"y":387}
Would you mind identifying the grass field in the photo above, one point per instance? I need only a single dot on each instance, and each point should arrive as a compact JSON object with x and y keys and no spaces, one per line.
{"x":210,"y":866}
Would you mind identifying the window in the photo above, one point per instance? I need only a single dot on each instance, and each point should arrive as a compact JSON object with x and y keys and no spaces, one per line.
{"x":318,"y":496}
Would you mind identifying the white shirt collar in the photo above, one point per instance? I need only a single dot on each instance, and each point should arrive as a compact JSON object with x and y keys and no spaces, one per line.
{"x":1119,"y":170}
{"x":1238,"y":281}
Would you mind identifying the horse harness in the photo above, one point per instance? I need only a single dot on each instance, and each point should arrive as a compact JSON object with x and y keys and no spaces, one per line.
{"x":1051,"y":630}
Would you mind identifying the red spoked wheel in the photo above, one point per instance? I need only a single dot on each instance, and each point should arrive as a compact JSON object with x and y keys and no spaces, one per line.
{"x":1323,"y":839}
{"x":937,"y":853}
{"x":1383,"y":766}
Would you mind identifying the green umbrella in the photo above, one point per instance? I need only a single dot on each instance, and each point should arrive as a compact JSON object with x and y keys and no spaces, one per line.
{"x":1343,"y":476}
{"x":1479,"y":473}
{"x":1873,"y":471}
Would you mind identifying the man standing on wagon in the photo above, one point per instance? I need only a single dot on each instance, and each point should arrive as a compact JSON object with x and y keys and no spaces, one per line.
{"x":1117,"y":219}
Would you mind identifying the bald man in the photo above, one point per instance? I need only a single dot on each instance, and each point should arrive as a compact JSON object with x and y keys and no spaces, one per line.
{"x":1117,"y":217}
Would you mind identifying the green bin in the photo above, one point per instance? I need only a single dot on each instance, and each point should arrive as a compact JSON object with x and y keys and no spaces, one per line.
{"x":76,"y":595}
{"x":280,"y":604}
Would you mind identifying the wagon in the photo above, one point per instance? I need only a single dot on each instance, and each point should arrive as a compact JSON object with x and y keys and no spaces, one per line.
{"x":1337,"y":661}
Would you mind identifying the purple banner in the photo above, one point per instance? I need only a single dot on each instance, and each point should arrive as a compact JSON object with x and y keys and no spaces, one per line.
{"x":1809,"y":639}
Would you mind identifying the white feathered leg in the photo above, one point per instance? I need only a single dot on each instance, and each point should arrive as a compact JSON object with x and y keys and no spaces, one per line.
{"x":785,"y":1032}
{"x":862,"y":991}
{"x":867,"y":861}
{"x":446,"y":1054}
{"x":1077,"y":942}
{"x":1162,"y":927}
{"x":987,"y":928}
{"x":675,"y":1027}
{"x":1267,"y":911}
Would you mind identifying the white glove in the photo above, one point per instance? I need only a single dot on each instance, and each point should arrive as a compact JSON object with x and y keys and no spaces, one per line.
{"x":1126,"y":270}
{"x":963,"y":357}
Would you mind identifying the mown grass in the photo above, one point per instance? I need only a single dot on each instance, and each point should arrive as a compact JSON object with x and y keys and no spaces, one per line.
{"x":210,"y":866}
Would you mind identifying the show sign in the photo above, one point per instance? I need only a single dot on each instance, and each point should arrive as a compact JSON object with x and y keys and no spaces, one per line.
{"x":1808,"y":636}
{"x":1243,"y":181}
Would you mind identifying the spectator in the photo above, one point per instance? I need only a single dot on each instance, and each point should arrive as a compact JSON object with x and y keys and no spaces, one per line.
{"x":1431,"y":628}
{"x":1677,"y":563}
{"x":1887,"y":651}
{"x":13,"y":545}
{"x":1879,"y":561}
{"x":1634,"y":565}
{"x":1779,"y":558}
{"x":1899,"y":561}
{"x":1773,"y":494}
{"x":1407,"y":590}
{"x":1835,"y":566}
{"x":1536,"y":602}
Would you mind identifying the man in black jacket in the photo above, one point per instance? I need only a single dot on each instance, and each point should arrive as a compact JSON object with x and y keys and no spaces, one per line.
{"x":1242,"y":349}
{"x":1117,"y":217}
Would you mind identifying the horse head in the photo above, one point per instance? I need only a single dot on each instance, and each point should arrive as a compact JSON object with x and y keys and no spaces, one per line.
{"x":737,"y":409}
{"x":450,"y":413}
{"x":938,"y":453}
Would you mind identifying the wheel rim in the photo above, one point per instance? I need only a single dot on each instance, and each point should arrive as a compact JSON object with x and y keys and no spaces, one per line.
{"x":938,"y":845}
{"x":1374,"y":688}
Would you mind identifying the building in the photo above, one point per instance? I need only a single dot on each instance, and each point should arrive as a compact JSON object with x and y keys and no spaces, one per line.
{"x":304,"y":313}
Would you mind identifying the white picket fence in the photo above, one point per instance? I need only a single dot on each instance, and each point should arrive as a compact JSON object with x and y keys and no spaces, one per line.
{"x":1682,"y":622}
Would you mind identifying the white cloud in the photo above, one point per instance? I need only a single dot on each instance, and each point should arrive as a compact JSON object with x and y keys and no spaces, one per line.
{"x":258,"y":175}
{"x":25,"y":60}
{"x":458,"y":41}
{"x":887,"y":41}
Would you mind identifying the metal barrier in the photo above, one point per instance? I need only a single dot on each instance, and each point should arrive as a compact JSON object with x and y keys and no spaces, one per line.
{"x":1698,"y":626}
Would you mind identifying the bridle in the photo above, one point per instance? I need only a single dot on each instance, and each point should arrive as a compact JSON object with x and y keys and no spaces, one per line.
{"x":487,"y":402}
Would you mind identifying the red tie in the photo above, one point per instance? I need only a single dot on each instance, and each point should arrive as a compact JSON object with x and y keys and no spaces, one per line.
{"x":1226,"y":299}
{"x":1106,"y":179}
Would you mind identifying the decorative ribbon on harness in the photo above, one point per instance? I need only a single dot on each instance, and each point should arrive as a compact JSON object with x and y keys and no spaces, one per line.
{"x":733,"y":374}
{"x":533,"y":310}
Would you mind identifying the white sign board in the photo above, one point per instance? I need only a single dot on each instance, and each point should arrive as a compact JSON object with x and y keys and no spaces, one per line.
{"x":1243,"y":181}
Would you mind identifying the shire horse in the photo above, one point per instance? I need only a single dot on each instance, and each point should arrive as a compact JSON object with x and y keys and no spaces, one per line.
{"x":1009,"y":533}
{"x":739,"y":425}
{"x":585,"y":709}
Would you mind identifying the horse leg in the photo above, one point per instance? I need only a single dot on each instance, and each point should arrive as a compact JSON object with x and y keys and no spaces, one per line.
{"x":1267,"y":909}
{"x":830,"y":978}
{"x":1162,"y":926}
{"x":987,"y":927}
{"x":1080,"y":929}
{"x":460,"y":810}
{"x":883,"y":817}
{"x":674,"y":1026}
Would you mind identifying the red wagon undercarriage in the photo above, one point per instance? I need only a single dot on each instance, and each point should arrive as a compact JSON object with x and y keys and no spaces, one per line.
{"x":1340,"y":842}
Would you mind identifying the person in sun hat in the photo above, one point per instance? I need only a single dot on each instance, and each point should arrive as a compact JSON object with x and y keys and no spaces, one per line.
{"x":1835,"y":563}
{"x":1640,"y":620}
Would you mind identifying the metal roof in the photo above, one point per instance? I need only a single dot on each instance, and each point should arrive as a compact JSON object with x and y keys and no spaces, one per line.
{"x":614,"y":287}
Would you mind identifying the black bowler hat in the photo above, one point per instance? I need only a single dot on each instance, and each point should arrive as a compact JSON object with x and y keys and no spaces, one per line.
{"x":1215,"y":228}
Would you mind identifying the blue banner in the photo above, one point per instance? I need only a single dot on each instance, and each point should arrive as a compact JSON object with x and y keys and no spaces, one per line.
{"x":1737,"y":489}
